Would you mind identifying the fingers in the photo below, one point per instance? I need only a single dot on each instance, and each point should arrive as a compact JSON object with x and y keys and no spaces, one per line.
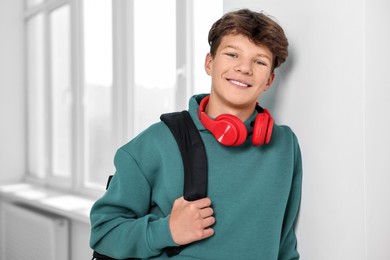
{"x":191,"y":220}
{"x":206,"y":212}
{"x":208,"y":222}
{"x":202,"y":203}
{"x":205,"y":231}
{"x":208,"y":232}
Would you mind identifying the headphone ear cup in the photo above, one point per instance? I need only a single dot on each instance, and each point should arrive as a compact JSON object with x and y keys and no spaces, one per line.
{"x":262,"y":129}
{"x":269,"y":130}
{"x":229,"y":130}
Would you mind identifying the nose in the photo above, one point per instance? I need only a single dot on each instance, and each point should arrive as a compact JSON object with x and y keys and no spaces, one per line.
{"x":244,"y":67}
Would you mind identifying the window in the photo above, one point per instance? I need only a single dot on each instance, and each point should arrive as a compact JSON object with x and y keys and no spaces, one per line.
{"x":154,"y":59}
{"x":205,"y":14}
{"x":35,"y":95}
{"x":99,"y":72}
{"x":97,"y":98}
{"x":60,"y":105}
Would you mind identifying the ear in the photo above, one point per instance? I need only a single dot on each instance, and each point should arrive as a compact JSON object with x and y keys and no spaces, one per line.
{"x":270,"y":80}
{"x":207,"y":63}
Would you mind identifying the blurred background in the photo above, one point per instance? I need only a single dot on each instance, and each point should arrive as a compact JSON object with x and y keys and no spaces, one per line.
{"x":79,"y":78}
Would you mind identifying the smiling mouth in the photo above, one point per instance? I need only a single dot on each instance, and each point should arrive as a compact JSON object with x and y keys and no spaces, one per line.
{"x":239,"y":84}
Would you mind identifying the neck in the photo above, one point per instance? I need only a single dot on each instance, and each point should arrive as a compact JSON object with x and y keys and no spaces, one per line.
{"x":242,"y":112}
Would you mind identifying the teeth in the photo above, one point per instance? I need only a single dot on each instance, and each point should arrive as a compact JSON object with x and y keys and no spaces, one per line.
{"x":239,"y":83}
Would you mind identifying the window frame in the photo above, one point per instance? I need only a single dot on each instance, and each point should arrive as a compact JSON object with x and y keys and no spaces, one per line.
{"x":46,"y":8}
{"x":123,"y":77}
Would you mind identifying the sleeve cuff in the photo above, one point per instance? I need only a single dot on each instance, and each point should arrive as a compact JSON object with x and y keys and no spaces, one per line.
{"x":160,"y":235}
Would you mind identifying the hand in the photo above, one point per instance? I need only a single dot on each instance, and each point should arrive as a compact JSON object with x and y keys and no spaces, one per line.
{"x":191,"y":221}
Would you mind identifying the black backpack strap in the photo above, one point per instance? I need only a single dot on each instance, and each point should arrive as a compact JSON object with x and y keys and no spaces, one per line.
{"x":192,"y":152}
{"x":108,"y":181}
{"x":97,"y":256}
{"x":194,"y":158}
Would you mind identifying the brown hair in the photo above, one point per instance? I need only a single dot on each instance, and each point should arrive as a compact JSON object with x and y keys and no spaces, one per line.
{"x":258,"y":27}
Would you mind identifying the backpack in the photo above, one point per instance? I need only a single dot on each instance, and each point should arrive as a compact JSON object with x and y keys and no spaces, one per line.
{"x":194,"y":158}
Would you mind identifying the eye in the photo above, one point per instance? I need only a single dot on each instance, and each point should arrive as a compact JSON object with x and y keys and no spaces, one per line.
{"x":260,"y":62}
{"x":232,"y":55}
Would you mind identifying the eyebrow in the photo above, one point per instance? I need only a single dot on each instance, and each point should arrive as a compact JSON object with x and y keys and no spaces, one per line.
{"x":238,"y":48}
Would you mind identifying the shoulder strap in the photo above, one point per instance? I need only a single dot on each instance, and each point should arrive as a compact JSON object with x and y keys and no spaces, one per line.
{"x":194,"y":158}
{"x":97,"y":256}
{"x":192,"y":151}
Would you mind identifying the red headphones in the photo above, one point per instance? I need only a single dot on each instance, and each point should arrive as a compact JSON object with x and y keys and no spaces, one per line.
{"x":229,"y":130}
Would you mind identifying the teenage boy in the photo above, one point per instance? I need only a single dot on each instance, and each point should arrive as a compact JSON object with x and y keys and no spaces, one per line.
{"x":254,"y":166}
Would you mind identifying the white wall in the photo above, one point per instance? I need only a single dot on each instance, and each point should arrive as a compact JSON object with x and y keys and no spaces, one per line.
{"x":377,"y":128}
{"x":332,"y":92}
{"x":12,"y":103}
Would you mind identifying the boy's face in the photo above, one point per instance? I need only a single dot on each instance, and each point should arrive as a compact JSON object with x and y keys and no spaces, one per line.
{"x":240,"y":71}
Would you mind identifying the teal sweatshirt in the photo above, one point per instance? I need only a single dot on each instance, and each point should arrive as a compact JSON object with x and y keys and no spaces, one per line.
{"x":255,"y":194}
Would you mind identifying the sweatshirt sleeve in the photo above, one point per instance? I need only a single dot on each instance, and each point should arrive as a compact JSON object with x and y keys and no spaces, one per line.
{"x":288,"y":244}
{"x":121,"y":225}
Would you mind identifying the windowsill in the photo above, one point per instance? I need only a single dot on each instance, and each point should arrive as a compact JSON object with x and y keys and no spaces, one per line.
{"x":71,"y":206}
